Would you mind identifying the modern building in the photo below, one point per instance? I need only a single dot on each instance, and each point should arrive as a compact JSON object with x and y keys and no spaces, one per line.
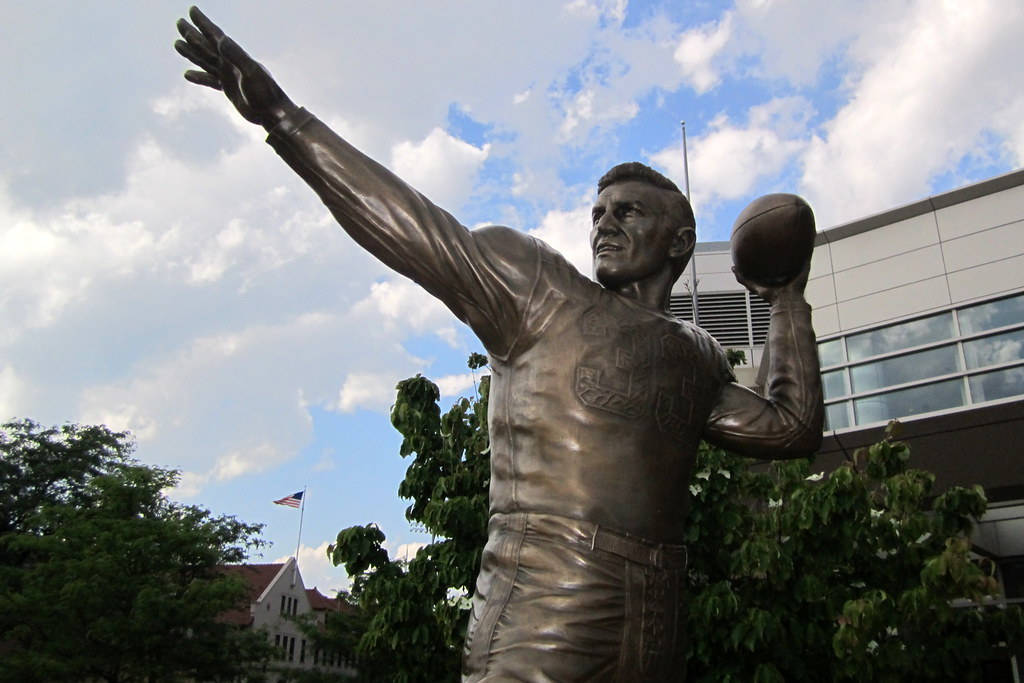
{"x":919,"y":313}
{"x":277,"y":597}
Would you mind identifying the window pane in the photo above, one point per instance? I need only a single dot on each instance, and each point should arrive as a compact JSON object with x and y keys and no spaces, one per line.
{"x":998,"y":384}
{"x":837,"y":416}
{"x":834,"y":384}
{"x":902,"y":336}
{"x":991,"y":315}
{"x":913,"y":401}
{"x":831,"y":352}
{"x":999,"y":348}
{"x":909,"y":368}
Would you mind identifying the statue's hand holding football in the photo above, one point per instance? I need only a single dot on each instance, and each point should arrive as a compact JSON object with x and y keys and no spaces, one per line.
{"x":224,"y":65}
{"x":772,"y":243}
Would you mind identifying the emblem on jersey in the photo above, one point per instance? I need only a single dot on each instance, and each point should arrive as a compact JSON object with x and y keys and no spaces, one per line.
{"x":614,"y":373}
{"x":633,"y":371}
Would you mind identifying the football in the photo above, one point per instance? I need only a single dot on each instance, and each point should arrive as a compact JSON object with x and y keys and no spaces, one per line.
{"x":772,"y":239}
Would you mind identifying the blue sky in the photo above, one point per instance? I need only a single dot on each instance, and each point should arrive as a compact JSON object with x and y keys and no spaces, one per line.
{"x":161,"y":270}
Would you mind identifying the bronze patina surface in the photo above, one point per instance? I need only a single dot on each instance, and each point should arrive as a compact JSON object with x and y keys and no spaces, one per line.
{"x":598,"y":400}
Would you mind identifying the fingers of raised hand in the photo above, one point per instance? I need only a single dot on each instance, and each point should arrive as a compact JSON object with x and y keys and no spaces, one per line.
{"x":203,"y":23}
{"x":203,"y":78}
{"x":198,"y":56}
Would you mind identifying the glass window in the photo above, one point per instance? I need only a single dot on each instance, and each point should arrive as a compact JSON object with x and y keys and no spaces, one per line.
{"x":994,"y":350}
{"x":834,"y":384}
{"x":902,"y":336}
{"x":837,"y":416}
{"x":912,"y":401}
{"x":999,"y":384}
{"x":991,"y":315}
{"x":831,"y":352}
{"x":909,"y":368}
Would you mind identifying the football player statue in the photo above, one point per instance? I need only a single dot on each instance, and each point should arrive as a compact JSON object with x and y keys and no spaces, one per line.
{"x":599,"y":396}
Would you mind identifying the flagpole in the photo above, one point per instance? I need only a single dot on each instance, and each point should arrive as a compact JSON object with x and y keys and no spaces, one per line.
{"x":298,"y":543}
{"x":693,"y":255}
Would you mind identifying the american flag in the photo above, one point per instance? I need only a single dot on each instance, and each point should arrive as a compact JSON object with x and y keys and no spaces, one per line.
{"x":292,"y":501}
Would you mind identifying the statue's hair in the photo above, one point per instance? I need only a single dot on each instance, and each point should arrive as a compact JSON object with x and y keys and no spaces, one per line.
{"x":679,"y":205}
{"x":634,"y":170}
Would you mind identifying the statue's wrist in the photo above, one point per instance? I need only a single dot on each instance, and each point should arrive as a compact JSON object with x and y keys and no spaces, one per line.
{"x":288,"y":120}
{"x":278,"y":117}
{"x":788,"y":298}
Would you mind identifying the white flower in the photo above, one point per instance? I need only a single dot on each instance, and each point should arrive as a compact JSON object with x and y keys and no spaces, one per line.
{"x":875,"y":514}
{"x":703,"y":475}
{"x":695,"y":489}
{"x":924,"y":537}
{"x":774,"y":503}
{"x":891,"y":631}
{"x":725,"y":473}
{"x":815,"y":477}
{"x":872,"y":646}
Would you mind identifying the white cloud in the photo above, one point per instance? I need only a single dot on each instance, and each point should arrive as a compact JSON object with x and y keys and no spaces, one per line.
{"x":569,"y":233}
{"x":317,"y":571}
{"x":10,"y":388}
{"x":403,"y":301}
{"x":405,"y":551}
{"x":455,"y":385}
{"x":922,"y":104}
{"x":369,"y":390}
{"x":730,"y":159}
{"x":698,"y":50}
{"x":440,"y":166}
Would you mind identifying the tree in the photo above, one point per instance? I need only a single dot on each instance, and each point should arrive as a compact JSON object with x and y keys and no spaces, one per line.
{"x":859,"y":574}
{"x":416,"y":612}
{"x":101,"y":576}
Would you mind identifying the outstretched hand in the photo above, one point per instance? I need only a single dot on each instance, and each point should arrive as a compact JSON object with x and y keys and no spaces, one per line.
{"x":224,"y":65}
{"x":770,"y":293}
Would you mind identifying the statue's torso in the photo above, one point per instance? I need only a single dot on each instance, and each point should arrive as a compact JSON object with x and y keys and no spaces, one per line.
{"x":597,"y":411}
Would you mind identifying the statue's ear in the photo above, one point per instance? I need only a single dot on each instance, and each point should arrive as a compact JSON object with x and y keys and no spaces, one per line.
{"x":683,"y":242}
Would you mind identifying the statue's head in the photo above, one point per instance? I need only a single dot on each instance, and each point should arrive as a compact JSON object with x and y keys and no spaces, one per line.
{"x":642,"y":225}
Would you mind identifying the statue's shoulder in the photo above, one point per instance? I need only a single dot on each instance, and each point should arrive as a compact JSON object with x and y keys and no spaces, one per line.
{"x":712,"y":350}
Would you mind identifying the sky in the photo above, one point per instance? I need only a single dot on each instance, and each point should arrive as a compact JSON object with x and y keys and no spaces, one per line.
{"x":162,"y":271}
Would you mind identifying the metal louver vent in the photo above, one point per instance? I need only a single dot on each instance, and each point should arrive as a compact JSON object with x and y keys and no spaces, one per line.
{"x":733,"y":318}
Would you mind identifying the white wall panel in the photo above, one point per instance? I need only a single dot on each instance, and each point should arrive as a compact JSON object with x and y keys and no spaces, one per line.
{"x":987,"y":280}
{"x":820,"y":291}
{"x":889,"y":273}
{"x":894,"y":303}
{"x":909,"y":235}
{"x":981,"y":213}
{"x":825,"y":320}
{"x":984,"y":247}
{"x":821,"y":261}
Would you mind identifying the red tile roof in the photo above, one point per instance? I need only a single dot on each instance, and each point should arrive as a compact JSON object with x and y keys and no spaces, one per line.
{"x":319,"y":601}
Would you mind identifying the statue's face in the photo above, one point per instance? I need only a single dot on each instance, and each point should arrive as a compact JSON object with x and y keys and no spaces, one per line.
{"x":631,"y":236}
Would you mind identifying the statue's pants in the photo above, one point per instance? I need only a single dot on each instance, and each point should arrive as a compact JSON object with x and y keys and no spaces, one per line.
{"x":562,"y":600}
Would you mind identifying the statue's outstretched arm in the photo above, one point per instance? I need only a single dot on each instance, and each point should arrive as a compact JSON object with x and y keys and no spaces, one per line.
{"x":787,"y":421}
{"x":483,"y":276}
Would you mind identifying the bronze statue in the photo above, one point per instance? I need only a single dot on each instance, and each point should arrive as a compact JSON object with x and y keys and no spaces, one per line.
{"x":598,"y":398}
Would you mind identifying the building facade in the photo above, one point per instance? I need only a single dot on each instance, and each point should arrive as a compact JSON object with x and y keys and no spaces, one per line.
{"x":277,"y":600}
{"x":919,"y":313}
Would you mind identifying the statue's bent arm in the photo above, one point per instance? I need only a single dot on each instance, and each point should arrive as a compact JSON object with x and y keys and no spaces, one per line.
{"x":787,"y":421}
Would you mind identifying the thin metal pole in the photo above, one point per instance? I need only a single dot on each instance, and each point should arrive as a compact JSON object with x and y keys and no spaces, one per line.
{"x":693,"y":254}
{"x":298,"y":543}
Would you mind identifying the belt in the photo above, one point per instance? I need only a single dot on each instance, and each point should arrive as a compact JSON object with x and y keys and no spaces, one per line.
{"x":595,"y":537}
{"x":662,"y":556}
